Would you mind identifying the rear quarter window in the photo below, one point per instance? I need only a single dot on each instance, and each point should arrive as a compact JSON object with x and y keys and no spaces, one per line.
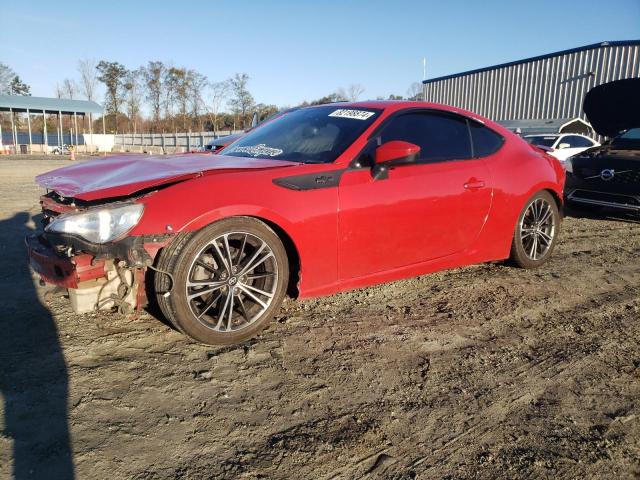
{"x":485,"y":141}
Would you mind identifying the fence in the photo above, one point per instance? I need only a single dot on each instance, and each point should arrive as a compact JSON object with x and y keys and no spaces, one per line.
{"x":148,"y":142}
{"x":186,"y":141}
{"x":38,"y":138}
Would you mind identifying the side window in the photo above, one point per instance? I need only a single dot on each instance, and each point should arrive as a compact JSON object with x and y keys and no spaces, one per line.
{"x":440,"y":137}
{"x":577,"y":142}
{"x":485,"y":141}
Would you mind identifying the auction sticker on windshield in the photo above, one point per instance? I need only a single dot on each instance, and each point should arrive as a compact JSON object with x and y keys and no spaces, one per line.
{"x":260,"y":149}
{"x":354,"y":114}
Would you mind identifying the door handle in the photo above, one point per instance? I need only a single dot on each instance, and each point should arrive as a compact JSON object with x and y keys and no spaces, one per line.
{"x":474,"y":184}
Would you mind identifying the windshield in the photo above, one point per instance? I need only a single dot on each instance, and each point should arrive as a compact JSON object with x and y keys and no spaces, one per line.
{"x":544,"y":140}
{"x":630,"y":137}
{"x":308,"y":135}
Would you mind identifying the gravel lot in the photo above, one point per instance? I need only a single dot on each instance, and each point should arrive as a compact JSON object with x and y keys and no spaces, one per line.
{"x":480,"y":372}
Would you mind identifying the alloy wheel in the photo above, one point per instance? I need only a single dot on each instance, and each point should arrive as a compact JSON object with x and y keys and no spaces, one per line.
{"x":232,"y":281}
{"x":537,"y":229}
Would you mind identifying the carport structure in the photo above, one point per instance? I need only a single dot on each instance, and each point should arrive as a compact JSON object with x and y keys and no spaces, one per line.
{"x":548,"y":126}
{"x":49,"y":106}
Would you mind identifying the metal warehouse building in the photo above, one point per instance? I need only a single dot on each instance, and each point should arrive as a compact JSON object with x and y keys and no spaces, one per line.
{"x":550,"y":86}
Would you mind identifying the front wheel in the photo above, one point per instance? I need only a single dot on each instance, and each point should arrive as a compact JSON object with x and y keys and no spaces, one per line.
{"x":229,"y":279}
{"x":536,"y":232}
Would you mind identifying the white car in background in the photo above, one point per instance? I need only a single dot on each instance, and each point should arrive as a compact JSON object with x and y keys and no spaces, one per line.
{"x":59,"y":150}
{"x":562,"y":145}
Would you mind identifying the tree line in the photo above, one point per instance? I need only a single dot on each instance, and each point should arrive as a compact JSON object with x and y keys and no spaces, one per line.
{"x":176,"y":98}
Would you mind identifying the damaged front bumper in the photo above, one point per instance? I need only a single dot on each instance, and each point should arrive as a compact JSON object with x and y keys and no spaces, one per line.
{"x":67,"y":272}
{"x":98,"y":277}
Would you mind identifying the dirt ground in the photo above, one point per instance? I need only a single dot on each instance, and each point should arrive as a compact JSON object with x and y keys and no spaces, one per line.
{"x":480,"y":372}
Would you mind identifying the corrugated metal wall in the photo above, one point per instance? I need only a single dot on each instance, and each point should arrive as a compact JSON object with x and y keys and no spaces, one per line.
{"x":550,"y":87}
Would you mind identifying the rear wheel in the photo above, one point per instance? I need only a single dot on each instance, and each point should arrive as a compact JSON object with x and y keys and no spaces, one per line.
{"x":536,"y":232}
{"x":229,"y":279}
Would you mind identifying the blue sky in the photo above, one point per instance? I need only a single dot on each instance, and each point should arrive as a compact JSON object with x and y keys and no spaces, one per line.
{"x":297,"y":50}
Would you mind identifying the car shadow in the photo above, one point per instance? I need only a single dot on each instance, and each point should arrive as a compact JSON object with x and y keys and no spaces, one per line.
{"x":603,"y":214}
{"x":34,"y":380}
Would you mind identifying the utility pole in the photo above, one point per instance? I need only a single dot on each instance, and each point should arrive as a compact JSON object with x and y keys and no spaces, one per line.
{"x":424,"y":77}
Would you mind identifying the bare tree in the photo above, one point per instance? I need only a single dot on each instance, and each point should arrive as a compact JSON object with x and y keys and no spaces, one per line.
{"x":354,"y":91}
{"x":414,"y":92}
{"x":219,"y":94}
{"x":88,"y":78}
{"x":112,"y":74}
{"x":196,"y":88}
{"x":170,"y":83}
{"x":153,"y":75}
{"x":242,"y":99}
{"x":133,"y":96}
{"x":69,"y":88}
{"x":180,"y":79}
{"x":59,"y":91}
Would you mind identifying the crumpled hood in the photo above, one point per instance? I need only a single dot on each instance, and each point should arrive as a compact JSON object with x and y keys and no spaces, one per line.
{"x":127,"y":174}
{"x":613,"y":107}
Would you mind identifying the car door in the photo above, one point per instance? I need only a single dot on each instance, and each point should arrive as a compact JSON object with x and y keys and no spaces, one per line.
{"x":423,"y":211}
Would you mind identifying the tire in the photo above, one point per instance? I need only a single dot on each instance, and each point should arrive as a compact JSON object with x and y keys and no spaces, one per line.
{"x":536,"y":232}
{"x":228,"y":280}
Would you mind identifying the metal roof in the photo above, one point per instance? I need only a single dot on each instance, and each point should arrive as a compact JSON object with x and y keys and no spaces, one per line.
{"x":622,"y":43}
{"x":547,"y":126}
{"x":20,"y":103}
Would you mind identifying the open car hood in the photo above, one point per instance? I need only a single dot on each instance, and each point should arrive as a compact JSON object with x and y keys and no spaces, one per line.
{"x":125,"y":175}
{"x":613,"y":107}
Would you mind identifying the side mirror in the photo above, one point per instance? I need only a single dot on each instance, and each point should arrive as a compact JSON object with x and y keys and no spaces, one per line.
{"x":563,"y":145}
{"x":394,"y":154}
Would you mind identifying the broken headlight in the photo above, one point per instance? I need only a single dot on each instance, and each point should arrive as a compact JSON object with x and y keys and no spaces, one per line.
{"x":99,"y":225}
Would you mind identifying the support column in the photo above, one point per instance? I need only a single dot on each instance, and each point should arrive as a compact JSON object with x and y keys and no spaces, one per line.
{"x":30,"y":140}
{"x":75,"y":125}
{"x":91,"y":129}
{"x":46,"y":135}
{"x":104,"y":131}
{"x":13,"y":132}
{"x":60,"y":131}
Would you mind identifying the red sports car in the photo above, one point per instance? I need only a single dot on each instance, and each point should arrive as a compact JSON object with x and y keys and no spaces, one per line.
{"x":319,"y":200}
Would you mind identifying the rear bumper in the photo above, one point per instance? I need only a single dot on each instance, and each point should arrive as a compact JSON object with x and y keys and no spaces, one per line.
{"x":61,"y":271}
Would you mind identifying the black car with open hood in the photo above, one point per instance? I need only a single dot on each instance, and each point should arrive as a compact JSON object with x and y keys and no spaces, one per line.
{"x":609,"y":175}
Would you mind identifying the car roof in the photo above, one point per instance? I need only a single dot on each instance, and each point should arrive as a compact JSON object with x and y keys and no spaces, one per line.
{"x":391,"y":106}
{"x":395,"y":105}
